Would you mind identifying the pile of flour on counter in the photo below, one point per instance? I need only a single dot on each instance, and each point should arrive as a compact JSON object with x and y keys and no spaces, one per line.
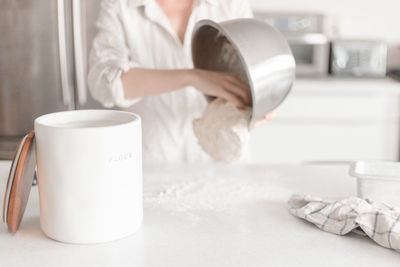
{"x":215,"y":192}
{"x":223,"y":130}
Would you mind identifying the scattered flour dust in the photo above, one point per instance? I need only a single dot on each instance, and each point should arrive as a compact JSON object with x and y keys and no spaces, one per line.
{"x":223,"y":130}
{"x":210,"y":192}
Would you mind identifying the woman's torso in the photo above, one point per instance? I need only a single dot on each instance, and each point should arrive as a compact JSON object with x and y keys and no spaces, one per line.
{"x":167,"y":118}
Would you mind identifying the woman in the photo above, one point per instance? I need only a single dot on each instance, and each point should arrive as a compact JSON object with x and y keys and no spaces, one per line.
{"x":141,"y":62}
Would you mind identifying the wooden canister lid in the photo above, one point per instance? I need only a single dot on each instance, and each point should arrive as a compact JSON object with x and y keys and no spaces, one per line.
{"x":19,"y":182}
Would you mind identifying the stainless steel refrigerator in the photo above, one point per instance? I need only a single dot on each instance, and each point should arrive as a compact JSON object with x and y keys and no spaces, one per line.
{"x":44,"y":46}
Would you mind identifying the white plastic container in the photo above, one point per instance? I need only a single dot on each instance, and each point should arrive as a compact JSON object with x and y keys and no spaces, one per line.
{"x":89,"y":166}
{"x":378,"y":181}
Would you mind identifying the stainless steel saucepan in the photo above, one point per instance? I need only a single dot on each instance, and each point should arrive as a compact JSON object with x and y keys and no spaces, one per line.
{"x":255,"y":51}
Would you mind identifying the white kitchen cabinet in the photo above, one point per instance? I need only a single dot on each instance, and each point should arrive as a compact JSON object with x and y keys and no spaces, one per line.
{"x":331,"y":120}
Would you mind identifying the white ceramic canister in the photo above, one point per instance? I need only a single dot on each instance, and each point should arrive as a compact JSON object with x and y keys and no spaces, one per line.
{"x":89,"y":167}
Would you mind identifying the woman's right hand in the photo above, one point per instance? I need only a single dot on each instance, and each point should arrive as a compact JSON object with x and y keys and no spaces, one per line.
{"x":221,"y":84}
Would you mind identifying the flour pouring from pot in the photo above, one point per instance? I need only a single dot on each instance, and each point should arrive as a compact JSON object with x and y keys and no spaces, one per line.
{"x":223,"y":130}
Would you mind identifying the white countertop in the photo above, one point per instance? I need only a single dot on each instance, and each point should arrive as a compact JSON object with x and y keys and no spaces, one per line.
{"x":246,"y":224}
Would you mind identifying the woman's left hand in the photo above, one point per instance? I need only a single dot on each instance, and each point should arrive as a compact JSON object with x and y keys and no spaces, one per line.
{"x":267,"y":118}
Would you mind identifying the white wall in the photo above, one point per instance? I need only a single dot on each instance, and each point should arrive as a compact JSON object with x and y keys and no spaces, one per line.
{"x":379,"y":19}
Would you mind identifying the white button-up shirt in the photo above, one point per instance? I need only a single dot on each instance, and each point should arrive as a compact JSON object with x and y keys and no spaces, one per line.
{"x":137,"y":33}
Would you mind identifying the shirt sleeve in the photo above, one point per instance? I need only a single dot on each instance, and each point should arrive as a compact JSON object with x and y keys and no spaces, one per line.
{"x":109,"y":58}
{"x":242,"y":9}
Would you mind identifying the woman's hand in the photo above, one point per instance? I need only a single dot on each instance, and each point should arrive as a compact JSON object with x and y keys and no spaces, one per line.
{"x":224,"y":85}
{"x":267,"y":117}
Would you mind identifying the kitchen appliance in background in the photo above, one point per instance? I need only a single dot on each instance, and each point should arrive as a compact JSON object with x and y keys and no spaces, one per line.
{"x":311,"y":53}
{"x":295,"y":22}
{"x":361,"y":58}
{"x":305,"y":33}
{"x":43,"y":62}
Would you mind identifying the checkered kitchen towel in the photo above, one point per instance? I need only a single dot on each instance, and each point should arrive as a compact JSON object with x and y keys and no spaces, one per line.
{"x":377,"y":220}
